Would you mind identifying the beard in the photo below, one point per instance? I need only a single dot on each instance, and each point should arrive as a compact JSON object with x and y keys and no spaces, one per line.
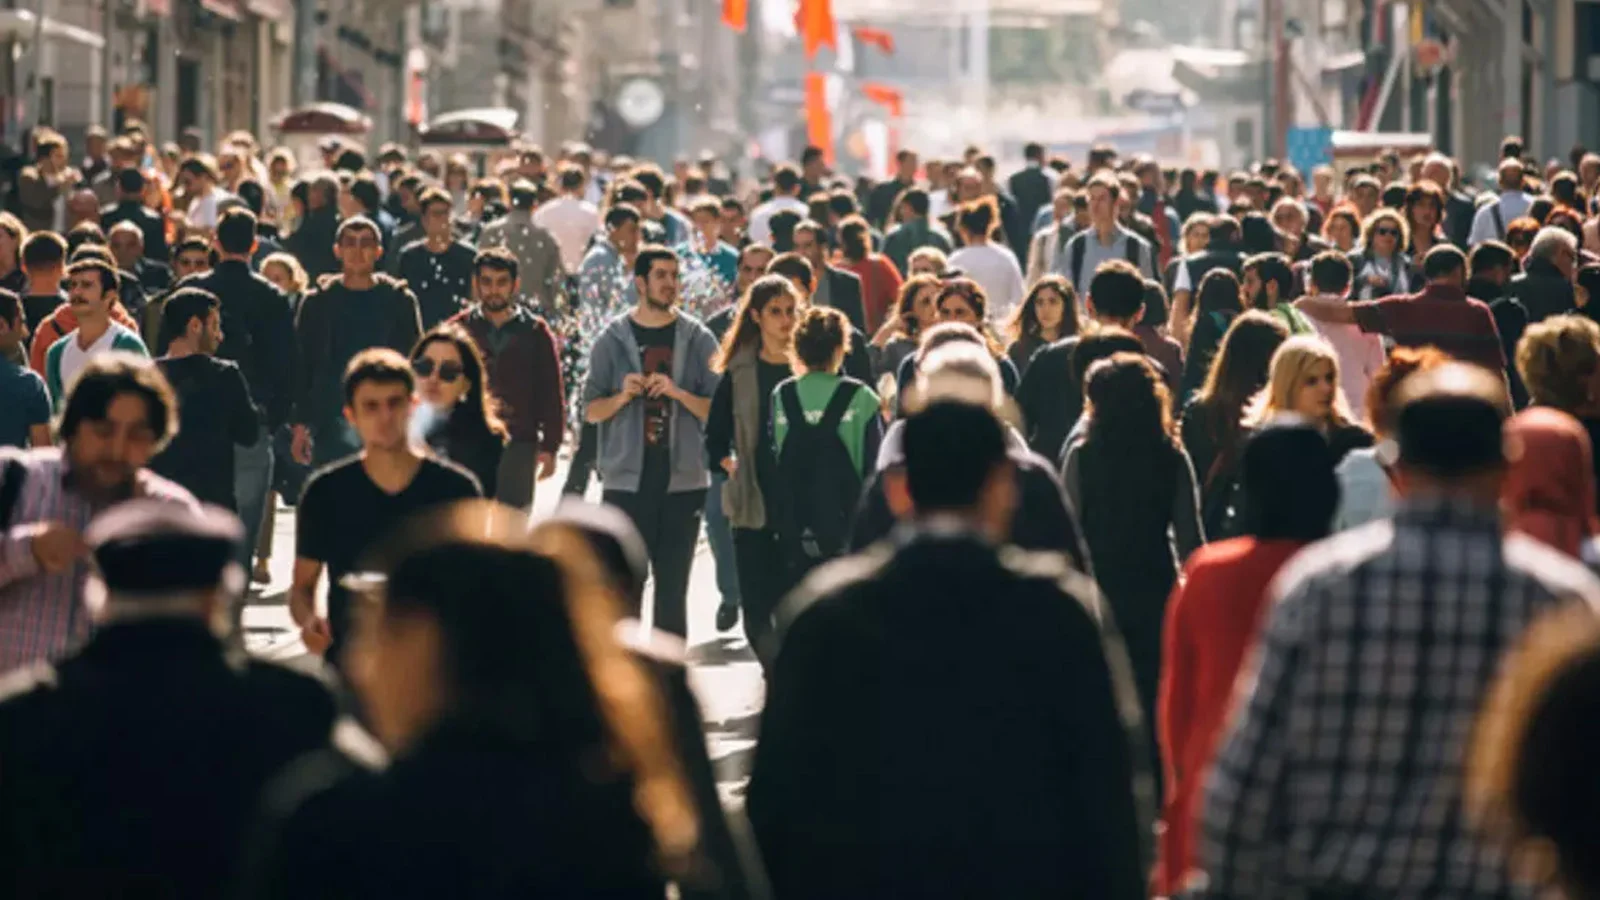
{"x":496,"y":304}
{"x":661,"y":305}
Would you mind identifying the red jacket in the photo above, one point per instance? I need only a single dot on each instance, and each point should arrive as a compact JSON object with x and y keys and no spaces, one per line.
{"x":1212,"y":620}
{"x":524,"y":375}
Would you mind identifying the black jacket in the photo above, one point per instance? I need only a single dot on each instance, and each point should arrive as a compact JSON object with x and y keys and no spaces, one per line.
{"x":511,"y":813}
{"x":844,"y":294}
{"x":154,"y":277}
{"x":1542,"y":290}
{"x":1031,"y":188}
{"x":398,"y":321}
{"x":149,"y":222}
{"x":1459,"y":211}
{"x":905,"y":681}
{"x":257,"y":333}
{"x":135,"y":768}
{"x":880,"y":202}
{"x":312,"y":243}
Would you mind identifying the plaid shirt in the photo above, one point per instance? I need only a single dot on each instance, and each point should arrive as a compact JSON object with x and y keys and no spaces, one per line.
{"x":1342,"y":773}
{"x":42,"y":618}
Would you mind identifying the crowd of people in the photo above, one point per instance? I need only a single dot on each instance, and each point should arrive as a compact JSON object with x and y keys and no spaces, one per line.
{"x":1103,"y":530}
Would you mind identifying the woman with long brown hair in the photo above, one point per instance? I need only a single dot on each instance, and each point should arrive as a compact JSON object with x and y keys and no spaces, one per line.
{"x":754,"y":359}
{"x":1048,"y":314}
{"x":461,"y":424}
{"x":916,"y":310}
{"x":963,"y":300}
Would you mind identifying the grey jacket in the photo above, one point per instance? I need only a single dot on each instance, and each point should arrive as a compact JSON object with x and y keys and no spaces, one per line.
{"x":621,"y":453}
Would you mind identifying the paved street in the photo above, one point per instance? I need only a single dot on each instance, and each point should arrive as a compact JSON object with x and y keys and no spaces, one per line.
{"x":724,"y":673}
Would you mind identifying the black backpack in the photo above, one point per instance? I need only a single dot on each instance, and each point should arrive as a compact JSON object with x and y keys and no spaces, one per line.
{"x":817,"y":483}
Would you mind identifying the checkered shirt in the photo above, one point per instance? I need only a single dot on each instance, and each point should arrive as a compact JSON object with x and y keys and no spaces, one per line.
{"x":1342,"y":772}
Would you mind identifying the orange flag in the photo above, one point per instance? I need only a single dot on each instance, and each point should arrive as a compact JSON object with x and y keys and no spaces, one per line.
{"x":888,"y":97}
{"x":813,"y":19}
{"x":819,"y":120}
{"x":736,"y":14}
{"x":877,"y":37}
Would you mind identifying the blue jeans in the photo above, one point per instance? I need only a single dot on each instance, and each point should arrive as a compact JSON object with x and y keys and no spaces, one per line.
{"x":720,"y":536}
{"x":252,"y":483}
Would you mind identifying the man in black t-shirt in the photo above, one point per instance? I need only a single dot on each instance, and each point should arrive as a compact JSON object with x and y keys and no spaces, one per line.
{"x":347,"y":507}
{"x":218,"y":411}
{"x":44,"y":259}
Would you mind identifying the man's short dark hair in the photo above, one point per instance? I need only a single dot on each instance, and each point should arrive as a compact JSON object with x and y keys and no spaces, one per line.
{"x":432,"y":196}
{"x":350,"y":160}
{"x":952,"y":449}
{"x":620,"y":215}
{"x":1330,"y":272}
{"x":1274,"y":268}
{"x":917,"y":199}
{"x":109,"y":279}
{"x":253,"y":194}
{"x":572,"y":177}
{"x":182,"y":305}
{"x":817,"y":230}
{"x":82,"y":234}
{"x":236,"y":231}
{"x":497,"y":259}
{"x":188,"y":244}
{"x":782,"y":225}
{"x":1441,"y":261}
{"x":1033,"y":151}
{"x":651,"y":178}
{"x":733,"y":203}
{"x":705,"y":206}
{"x":1490,"y":255}
{"x":410,"y":181}
{"x":1117,"y":290}
{"x":365,"y":189}
{"x":811,"y":154}
{"x":794,"y":267}
{"x":107,"y":376}
{"x":1101,"y":344}
{"x":357,"y":223}
{"x":649,"y":255}
{"x":379,"y":365}
{"x":786,"y":178}
{"x":131,"y":181}
{"x":44,"y":248}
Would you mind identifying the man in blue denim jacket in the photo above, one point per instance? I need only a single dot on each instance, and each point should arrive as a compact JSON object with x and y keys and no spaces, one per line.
{"x":649,"y":389}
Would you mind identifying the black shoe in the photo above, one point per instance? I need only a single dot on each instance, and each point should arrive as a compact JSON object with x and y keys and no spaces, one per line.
{"x":727,"y":616}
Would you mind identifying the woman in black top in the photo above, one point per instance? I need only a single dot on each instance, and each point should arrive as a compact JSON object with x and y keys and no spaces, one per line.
{"x":1213,"y":422}
{"x":1134,"y":490}
{"x":464,"y":427}
{"x":1048,"y":314}
{"x":1217,"y":302}
{"x":753,"y":360}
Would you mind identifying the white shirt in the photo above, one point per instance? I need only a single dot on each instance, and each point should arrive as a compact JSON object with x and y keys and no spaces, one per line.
{"x":572,"y":222}
{"x":938,"y":203}
{"x":1512,"y":204}
{"x":74,"y":357}
{"x":995,"y":270}
{"x":1360,"y":357}
{"x":761,"y":217}
{"x":203,"y":209}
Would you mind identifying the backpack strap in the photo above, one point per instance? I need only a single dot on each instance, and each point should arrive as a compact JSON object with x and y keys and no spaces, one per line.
{"x":789,"y":397}
{"x":843,"y":394}
{"x":1079,"y":246}
{"x":1134,"y":252}
{"x":1499,"y":219}
{"x":11,"y":479}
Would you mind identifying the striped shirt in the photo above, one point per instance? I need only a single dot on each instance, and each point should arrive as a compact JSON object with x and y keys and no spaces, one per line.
{"x":41,"y":614}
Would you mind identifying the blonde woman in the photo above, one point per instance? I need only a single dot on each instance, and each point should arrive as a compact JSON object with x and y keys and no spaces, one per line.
{"x":1559,"y":361}
{"x":1382,"y":267}
{"x":1303,"y":381}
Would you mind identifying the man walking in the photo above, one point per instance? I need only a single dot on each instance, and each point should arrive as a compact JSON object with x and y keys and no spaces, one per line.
{"x":569,"y":218}
{"x":878,"y":773}
{"x":120,"y":412}
{"x":91,"y":294}
{"x":524,"y":374}
{"x":438,"y":268}
{"x":835,"y":287}
{"x":258,"y":334}
{"x":649,"y":390}
{"x":1104,"y":240}
{"x":785,"y":197}
{"x":198,"y":731}
{"x":538,"y":254}
{"x":341,"y":318}
{"x":1372,"y":669}
{"x":349,"y":505}
{"x":24,"y":401}
{"x":130,"y":207}
{"x":915,"y":231}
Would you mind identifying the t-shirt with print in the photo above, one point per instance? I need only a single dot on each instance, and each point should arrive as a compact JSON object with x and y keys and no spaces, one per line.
{"x":343,"y":513}
{"x":24,"y":403}
{"x":655,"y":357}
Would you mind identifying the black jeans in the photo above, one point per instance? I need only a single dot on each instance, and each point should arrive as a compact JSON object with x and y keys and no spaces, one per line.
{"x":764,"y":577}
{"x":670,"y":526}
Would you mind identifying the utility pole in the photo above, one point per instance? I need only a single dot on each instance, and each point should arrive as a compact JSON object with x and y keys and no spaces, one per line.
{"x":305,"y":53}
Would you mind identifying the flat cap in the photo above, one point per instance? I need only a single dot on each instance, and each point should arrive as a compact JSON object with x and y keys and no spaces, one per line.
{"x":157,"y":546}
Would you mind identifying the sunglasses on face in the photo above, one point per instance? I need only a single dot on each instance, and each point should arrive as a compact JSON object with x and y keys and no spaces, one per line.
{"x":1386,"y":232}
{"x":425,"y":368}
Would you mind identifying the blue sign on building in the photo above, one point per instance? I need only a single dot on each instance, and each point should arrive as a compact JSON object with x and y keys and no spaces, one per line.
{"x":1310,"y":147}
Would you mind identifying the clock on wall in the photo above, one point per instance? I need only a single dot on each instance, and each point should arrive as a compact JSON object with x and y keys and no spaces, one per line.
{"x":640,"y":102}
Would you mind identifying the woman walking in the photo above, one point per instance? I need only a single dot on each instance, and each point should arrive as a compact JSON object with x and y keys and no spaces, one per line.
{"x":1048,"y":314}
{"x":462,"y":426}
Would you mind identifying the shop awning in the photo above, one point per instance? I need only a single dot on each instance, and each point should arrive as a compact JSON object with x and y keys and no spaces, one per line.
{"x":232,"y":10}
{"x":323,"y":118}
{"x":20,"y":24}
{"x":487,"y":125}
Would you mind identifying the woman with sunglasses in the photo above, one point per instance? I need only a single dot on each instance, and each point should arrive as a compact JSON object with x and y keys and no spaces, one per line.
{"x":463,"y":426}
{"x":1382,"y":266}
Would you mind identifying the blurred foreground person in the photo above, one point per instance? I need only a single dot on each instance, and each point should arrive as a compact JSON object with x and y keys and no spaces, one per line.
{"x":121,"y":410}
{"x":531,"y":753}
{"x":134,"y":767}
{"x":1289,"y":495}
{"x":1531,"y":781}
{"x":881,"y":771}
{"x":1550,"y":486}
{"x":1374,"y":660}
